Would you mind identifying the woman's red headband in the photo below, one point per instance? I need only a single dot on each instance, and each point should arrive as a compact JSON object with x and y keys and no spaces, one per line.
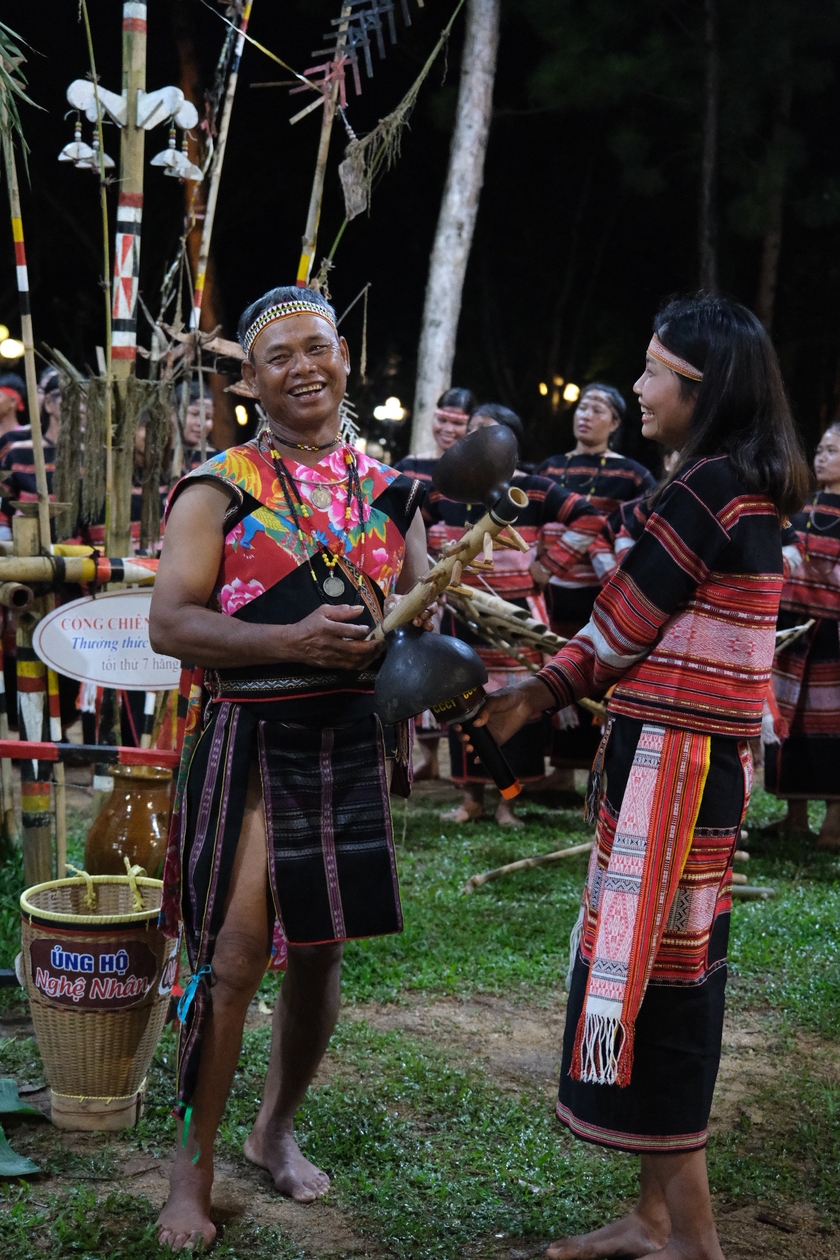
{"x":682,"y":367}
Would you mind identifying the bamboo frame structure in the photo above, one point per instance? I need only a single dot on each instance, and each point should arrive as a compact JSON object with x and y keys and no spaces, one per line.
{"x":313,"y":217}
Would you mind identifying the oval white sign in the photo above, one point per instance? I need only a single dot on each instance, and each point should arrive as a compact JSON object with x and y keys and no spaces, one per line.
{"x":104,"y":639}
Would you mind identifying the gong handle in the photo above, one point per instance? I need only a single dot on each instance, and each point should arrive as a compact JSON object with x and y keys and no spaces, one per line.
{"x":493,"y":759}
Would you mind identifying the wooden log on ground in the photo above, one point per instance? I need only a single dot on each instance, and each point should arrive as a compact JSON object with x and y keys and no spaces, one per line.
{"x":749,"y":892}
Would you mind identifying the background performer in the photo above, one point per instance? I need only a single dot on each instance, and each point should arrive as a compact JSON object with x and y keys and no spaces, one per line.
{"x":686,"y":628}
{"x":511,"y":579}
{"x":806,"y":676}
{"x":278,"y":557}
{"x":607,"y":480}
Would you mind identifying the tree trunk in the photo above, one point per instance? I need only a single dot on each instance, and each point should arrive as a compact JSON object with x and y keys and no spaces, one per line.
{"x":707,"y":227}
{"x":456,"y":223}
{"x":779,"y":158}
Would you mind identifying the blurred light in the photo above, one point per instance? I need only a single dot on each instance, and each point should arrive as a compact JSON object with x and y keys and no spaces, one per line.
{"x":241,"y":414}
{"x":11,"y":348}
{"x":557,"y":380}
{"x":555,"y":399}
{"x":361,"y":445}
{"x":543,"y":389}
{"x":4,"y":332}
{"x":392,"y":409}
{"x":571,"y":393}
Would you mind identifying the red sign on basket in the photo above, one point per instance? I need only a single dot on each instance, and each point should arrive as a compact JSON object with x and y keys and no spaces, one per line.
{"x":93,"y":975}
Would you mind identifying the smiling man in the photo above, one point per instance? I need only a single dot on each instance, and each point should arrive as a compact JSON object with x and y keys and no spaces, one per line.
{"x":278,"y":559}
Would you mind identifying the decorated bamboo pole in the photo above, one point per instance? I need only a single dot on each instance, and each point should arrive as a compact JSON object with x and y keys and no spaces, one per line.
{"x":32,"y":711}
{"x":127,"y":261}
{"x":30,"y":537}
{"x":59,"y":569}
{"x":10,"y":827}
{"x":58,"y":771}
{"x":41,"y":486}
{"x":216,"y":169}
{"x":313,"y":218}
{"x":22,"y":273}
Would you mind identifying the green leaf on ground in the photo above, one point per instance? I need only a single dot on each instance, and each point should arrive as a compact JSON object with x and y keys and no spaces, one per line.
{"x":12,"y":1164}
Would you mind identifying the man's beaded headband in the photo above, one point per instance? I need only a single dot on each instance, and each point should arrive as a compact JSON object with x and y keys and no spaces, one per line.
{"x":284,"y":310}
{"x":682,"y":367}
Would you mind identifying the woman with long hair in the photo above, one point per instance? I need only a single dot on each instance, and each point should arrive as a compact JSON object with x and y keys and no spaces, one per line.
{"x":684,"y":633}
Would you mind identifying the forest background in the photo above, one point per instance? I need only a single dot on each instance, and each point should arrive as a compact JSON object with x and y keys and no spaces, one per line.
{"x":637,"y":148}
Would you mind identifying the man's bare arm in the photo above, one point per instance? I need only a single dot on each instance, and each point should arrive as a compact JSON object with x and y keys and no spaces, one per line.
{"x":181,"y":624}
{"x":416,"y":561}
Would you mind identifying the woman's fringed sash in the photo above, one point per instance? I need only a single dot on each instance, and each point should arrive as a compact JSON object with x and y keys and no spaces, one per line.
{"x":652,"y":839}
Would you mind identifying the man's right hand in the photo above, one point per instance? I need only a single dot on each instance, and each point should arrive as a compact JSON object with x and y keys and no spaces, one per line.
{"x":328,"y":638}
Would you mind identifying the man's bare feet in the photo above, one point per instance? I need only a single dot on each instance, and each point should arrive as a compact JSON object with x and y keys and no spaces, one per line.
{"x":293,"y":1174}
{"x":184,"y":1224}
{"x":505,"y":816}
{"x":632,"y":1236}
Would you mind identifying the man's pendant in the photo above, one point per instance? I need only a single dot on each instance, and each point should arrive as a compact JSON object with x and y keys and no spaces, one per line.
{"x":321,"y":497}
{"x":333,"y":586}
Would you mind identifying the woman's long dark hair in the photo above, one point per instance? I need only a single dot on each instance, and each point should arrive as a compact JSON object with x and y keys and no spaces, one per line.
{"x":742,"y":409}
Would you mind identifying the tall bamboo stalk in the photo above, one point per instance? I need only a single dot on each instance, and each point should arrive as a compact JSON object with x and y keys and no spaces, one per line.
{"x":106,"y":289}
{"x":313,"y":218}
{"x":216,"y":169}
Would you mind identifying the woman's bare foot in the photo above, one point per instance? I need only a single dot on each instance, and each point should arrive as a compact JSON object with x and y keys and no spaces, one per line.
{"x":184,"y":1224}
{"x":632,"y":1236}
{"x":468,"y":811}
{"x":829,"y":837}
{"x":426,"y":766}
{"x":505,"y":816}
{"x":795,"y":821}
{"x":293,"y":1174}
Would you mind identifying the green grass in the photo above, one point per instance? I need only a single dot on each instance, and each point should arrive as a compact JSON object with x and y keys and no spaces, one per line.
{"x":426,"y":1152}
{"x":119,"y":1226}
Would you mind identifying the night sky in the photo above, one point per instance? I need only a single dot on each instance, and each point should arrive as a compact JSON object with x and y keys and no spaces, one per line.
{"x":579,"y":236}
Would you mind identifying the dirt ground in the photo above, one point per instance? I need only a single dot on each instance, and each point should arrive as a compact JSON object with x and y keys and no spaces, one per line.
{"x":519,"y":1046}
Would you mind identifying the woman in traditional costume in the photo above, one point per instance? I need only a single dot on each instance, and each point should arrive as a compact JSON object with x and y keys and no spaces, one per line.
{"x":577,"y":522}
{"x":278,"y":558}
{"x":685,"y":631}
{"x":805,"y":764}
{"x":607,"y":480}
{"x":449,"y":424}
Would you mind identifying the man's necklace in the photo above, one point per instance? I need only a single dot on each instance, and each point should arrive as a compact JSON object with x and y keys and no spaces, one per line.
{"x":333,"y":586}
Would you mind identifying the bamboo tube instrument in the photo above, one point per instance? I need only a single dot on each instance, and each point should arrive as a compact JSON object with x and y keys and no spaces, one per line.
{"x":54,"y":569}
{"x":432,"y":671}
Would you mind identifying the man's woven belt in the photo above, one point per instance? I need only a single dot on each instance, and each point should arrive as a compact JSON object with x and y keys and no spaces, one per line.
{"x":219,"y":685}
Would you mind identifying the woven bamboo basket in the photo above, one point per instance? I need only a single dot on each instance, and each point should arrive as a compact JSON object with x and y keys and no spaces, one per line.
{"x":99,"y":973}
